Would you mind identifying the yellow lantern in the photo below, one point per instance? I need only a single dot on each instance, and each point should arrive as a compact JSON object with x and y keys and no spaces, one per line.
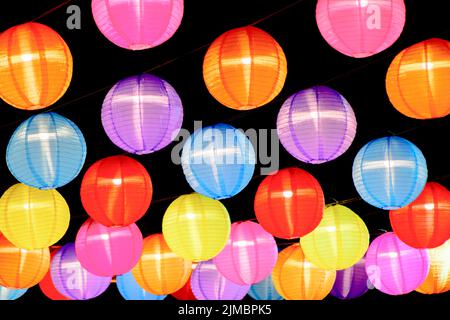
{"x":196,"y":227}
{"x":340,"y":240}
{"x":31,"y":218}
{"x":438,"y":279}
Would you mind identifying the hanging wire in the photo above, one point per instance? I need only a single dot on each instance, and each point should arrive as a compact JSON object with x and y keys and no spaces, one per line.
{"x":51,"y":10}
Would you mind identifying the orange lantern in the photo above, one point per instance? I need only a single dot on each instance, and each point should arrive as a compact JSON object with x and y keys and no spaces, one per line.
{"x":418,"y":79}
{"x":245,"y":68}
{"x":36,"y":66}
{"x":160,"y":271}
{"x":438,"y":279}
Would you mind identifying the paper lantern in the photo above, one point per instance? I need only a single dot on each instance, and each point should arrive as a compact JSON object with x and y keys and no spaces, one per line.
{"x":46,"y":151}
{"x":394,"y":267}
{"x":209,"y":284}
{"x":21,"y":268}
{"x":244,"y":68}
{"x":47,"y":286}
{"x":389,"y":173}
{"x":316,"y":125}
{"x":289,"y":203}
{"x":11,"y":294}
{"x":363,"y":28}
{"x":116,"y":191}
{"x":185,"y":293}
{"x":295,"y":278}
{"x":438,"y":279}
{"x":418,"y":78}
{"x":36,"y":66}
{"x":352,"y":282}
{"x":425,"y":222}
{"x":264,"y":290}
{"x":72,"y":280}
{"x":108,"y":251}
{"x":339,"y":241}
{"x":218,"y":161}
{"x":159,"y":270}
{"x":130,"y":290}
{"x":138,"y":24}
{"x":142,"y":114}
{"x":196,"y":227}
{"x":249,"y":255}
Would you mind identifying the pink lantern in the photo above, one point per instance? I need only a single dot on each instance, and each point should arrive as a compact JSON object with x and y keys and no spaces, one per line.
{"x":137,"y":24}
{"x":360,"y":28}
{"x":249,"y":255}
{"x":108,"y":251}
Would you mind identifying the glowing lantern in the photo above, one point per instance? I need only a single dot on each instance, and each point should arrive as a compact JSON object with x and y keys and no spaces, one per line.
{"x":108,"y":251}
{"x":360,"y":28}
{"x":339,"y":241}
{"x":72,"y":280}
{"x":218,"y":161}
{"x":46,"y":151}
{"x":47,"y":286}
{"x":264,"y":290}
{"x":11,"y":294}
{"x":438,"y":279}
{"x":250,"y":254}
{"x":244,"y":68}
{"x":289,"y":203}
{"x":36,"y":66}
{"x":196,"y":227}
{"x":352,"y":282}
{"x":142,"y":114}
{"x":185,"y":293}
{"x":295,"y":278}
{"x":20,"y":268}
{"x":394,"y":267}
{"x":116,"y":191}
{"x":159,"y":270}
{"x":425,"y":222}
{"x":390,"y":172}
{"x":130,"y":290}
{"x":418,"y":78}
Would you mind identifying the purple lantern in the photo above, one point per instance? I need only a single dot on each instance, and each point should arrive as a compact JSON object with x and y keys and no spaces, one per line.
{"x":316,"y":125}
{"x":352,"y":282}
{"x":208,"y":284}
{"x":71,"y":279}
{"x":142,"y":114}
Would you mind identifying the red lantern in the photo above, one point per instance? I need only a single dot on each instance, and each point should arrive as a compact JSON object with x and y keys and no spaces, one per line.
{"x":289,"y":204}
{"x":47,"y":286}
{"x":185,"y":293}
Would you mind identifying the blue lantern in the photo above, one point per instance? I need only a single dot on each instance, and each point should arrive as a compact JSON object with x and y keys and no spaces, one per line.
{"x":11,"y":294}
{"x":46,"y":151}
{"x":218,"y":161}
{"x":389,"y":173}
{"x":130,"y":289}
{"x":264,"y":290}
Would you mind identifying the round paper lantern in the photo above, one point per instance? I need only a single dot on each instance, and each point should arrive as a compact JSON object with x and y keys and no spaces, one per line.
{"x":316,"y":125}
{"x":218,"y":161}
{"x":130,"y":289}
{"x":159,"y":270}
{"x":264,"y":290}
{"x":352,"y":282}
{"x":185,"y":293}
{"x":339,"y":241}
{"x":72,"y":280}
{"x":116,"y":191}
{"x":142,"y":114}
{"x":390,"y":172}
{"x":11,"y":294}
{"x":363,"y":28}
{"x":108,"y":251}
{"x":196,"y":227}
{"x":418,"y":78}
{"x":425,"y":222}
{"x":295,"y":278}
{"x":244,"y":68}
{"x":289,"y":203}
{"x":209,"y":284}
{"x":438,"y":279}
{"x":138,"y":24}
{"x":47,"y":286}
{"x":394,"y":267}
{"x":249,"y":255}
{"x":36,"y":66}
{"x":46,"y":151}
{"x":21,"y":268}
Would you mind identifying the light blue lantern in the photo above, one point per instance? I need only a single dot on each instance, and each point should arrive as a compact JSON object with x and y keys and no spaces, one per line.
{"x":390,"y":172}
{"x":130,"y":289}
{"x":11,"y":294}
{"x":218,"y":161}
{"x":264,"y":290}
{"x":46,"y":151}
